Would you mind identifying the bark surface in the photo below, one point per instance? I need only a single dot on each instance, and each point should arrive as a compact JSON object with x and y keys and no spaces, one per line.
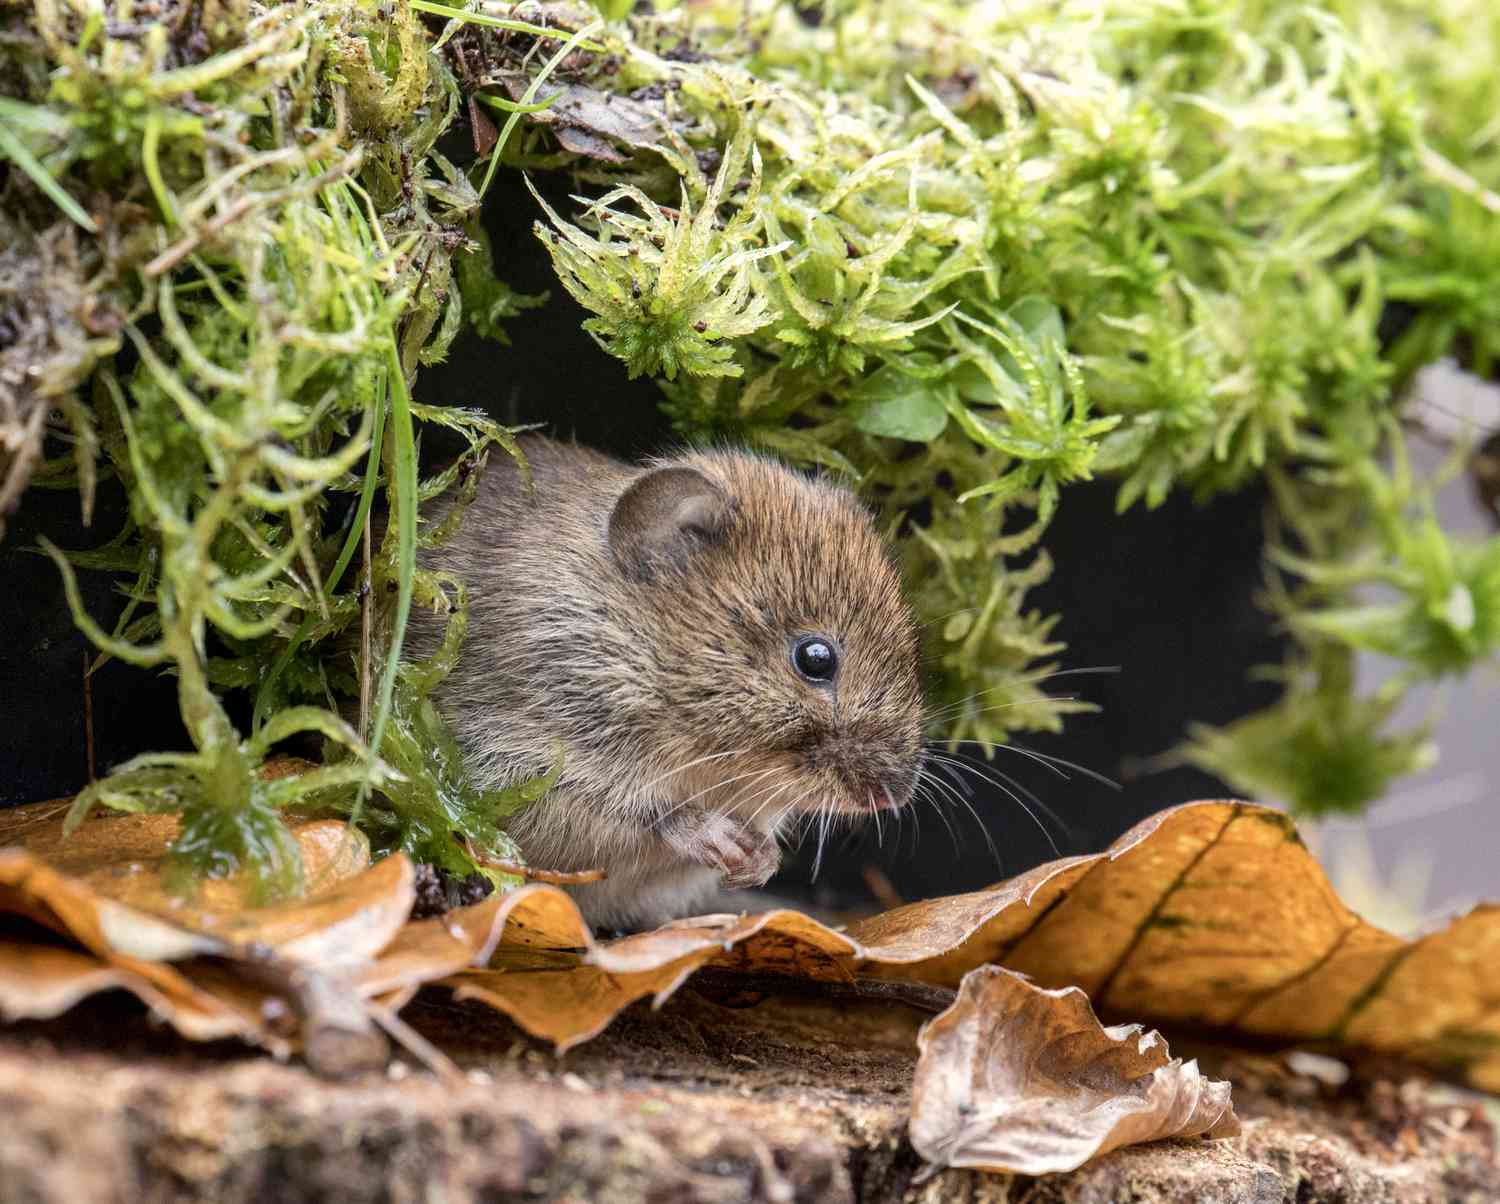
{"x":784,"y":1101}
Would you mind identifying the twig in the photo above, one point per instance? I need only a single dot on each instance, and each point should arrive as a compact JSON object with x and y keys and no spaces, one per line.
{"x":414,"y":1043}
{"x":881,"y":888}
{"x":555,"y":877}
{"x":338,"y":1035}
{"x":88,"y":719}
{"x":916,"y":995}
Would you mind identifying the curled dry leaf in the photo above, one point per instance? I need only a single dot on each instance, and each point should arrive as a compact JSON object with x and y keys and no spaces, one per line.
{"x":210,"y":965}
{"x":1016,"y":1078}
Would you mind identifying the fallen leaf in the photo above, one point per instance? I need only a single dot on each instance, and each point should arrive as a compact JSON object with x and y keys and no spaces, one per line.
{"x":1211,"y":916}
{"x":589,"y":122}
{"x":210,"y":965}
{"x":1016,"y":1078}
{"x":105,"y":887}
{"x":553,"y":979}
{"x":1208,"y":916}
{"x":1215,"y":916}
{"x":39,"y":981}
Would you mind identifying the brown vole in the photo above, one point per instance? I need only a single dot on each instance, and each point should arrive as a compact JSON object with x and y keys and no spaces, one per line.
{"x":719,"y":644}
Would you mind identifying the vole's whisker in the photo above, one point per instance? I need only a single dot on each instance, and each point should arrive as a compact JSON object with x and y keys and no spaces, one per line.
{"x":954,"y":776}
{"x":948,"y":789}
{"x":916,"y":825}
{"x":991,"y":774}
{"x":716,"y":786}
{"x":1083,"y":669}
{"x":926,"y":778}
{"x":825,"y":815}
{"x":753,"y":787}
{"x":1020,"y":802}
{"x":1034,"y":679}
{"x":736,"y":752}
{"x":1005,"y":706}
{"x":962,"y":610}
{"x":989,"y":840}
{"x":768,"y":800}
{"x":1054,"y":762}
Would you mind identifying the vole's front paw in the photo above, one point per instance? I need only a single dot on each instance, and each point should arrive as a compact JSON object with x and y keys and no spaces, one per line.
{"x":745,"y":857}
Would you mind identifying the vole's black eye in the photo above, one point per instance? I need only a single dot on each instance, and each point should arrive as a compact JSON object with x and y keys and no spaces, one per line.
{"x":816,"y":658}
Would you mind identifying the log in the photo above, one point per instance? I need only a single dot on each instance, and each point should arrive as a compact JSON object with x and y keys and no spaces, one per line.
{"x":785,"y":1101}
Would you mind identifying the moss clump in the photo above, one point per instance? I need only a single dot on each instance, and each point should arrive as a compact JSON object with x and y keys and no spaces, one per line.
{"x":966,"y":254}
{"x":273,"y":249}
{"x":993,"y":250}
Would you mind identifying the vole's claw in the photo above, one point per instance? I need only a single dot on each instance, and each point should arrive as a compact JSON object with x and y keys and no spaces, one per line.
{"x":745,"y":857}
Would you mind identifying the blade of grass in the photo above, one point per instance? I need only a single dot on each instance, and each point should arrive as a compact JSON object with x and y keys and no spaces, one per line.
{"x":263,"y":697}
{"x":12,"y":148}
{"x":404,"y":470}
{"x":510,"y":106}
{"x":471,"y":18}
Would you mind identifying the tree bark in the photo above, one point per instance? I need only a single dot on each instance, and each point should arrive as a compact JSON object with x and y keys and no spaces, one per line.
{"x":786,"y":1101}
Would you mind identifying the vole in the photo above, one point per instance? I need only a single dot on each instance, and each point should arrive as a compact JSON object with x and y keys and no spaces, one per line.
{"x":720,"y":645}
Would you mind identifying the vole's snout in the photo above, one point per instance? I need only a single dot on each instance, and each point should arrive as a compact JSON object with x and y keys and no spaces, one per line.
{"x":878,"y":778}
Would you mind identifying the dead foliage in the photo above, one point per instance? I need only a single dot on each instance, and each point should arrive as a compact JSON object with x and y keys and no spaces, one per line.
{"x":1208,"y":917}
{"x":1015,"y":1078}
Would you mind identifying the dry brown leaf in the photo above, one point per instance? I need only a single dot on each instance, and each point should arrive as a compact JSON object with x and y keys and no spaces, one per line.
{"x":1016,"y":1078}
{"x":37,"y":976}
{"x":1215,"y":916}
{"x":589,"y":122}
{"x":553,"y":979}
{"x":211,"y":965}
{"x":39,"y":981}
{"x":1211,"y":915}
{"x":104,"y":885}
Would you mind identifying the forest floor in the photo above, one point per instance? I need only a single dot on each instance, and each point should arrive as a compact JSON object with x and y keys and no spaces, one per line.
{"x":785,"y":1101}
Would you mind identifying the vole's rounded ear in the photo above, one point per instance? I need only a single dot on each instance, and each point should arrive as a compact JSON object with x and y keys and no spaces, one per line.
{"x":664,"y":517}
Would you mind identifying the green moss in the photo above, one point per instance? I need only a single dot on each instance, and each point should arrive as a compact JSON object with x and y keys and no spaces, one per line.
{"x":1003,"y":250}
{"x":966,"y":255}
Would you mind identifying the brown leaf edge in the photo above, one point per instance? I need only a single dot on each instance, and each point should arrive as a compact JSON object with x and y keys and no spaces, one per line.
{"x":1020,"y":1079}
{"x":209,"y":966}
{"x":1211,"y":917}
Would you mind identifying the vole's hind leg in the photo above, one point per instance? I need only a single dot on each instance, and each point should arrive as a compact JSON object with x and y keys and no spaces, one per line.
{"x":744,"y":856}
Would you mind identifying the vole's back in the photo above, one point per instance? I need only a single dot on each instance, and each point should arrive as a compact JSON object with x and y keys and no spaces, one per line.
{"x":526,"y":557}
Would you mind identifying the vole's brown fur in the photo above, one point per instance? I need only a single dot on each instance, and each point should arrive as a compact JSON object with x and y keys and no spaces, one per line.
{"x":644,"y":619}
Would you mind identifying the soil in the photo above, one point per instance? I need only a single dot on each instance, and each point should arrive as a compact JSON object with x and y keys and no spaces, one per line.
{"x":785,"y":1101}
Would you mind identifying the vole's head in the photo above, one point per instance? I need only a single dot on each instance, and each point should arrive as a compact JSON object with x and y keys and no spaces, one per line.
{"x":784,"y":672}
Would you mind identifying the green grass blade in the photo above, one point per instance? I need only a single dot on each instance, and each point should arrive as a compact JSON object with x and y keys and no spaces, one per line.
{"x":263,"y":696}
{"x":404,"y":468}
{"x":459,"y":14}
{"x":12,"y":148}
